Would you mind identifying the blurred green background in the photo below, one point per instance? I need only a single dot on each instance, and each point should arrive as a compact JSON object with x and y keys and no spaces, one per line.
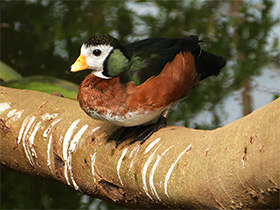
{"x":41,"y":39}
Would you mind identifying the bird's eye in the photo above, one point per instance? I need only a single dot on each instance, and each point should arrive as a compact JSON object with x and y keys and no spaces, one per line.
{"x":96,"y":52}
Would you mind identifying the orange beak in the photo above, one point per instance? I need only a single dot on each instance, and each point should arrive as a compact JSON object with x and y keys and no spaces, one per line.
{"x":79,"y":65}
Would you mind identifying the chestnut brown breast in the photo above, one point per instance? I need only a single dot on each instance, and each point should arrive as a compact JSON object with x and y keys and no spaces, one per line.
{"x":171,"y":85}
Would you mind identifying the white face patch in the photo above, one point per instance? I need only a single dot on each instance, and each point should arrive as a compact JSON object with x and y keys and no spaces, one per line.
{"x":96,"y":62}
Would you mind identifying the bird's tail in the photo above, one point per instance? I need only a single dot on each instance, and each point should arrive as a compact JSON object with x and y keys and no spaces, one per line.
{"x":208,"y":64}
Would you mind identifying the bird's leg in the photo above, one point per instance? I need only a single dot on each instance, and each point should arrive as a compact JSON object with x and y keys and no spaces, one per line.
{"x":122,"y":134}
{"x":145,"y":131}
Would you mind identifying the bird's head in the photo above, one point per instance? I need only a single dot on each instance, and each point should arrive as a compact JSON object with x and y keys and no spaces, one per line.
{"x":104,"y":55}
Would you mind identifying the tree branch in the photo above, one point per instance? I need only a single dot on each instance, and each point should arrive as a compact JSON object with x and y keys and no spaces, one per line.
{"x":236,"y":166}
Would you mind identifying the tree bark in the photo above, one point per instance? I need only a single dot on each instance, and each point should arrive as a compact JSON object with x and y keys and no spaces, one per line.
{"x":236,"y":166}
{"x":246,"y":97}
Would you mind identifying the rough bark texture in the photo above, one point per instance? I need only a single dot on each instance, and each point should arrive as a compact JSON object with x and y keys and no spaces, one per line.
{"x":236,"y":166}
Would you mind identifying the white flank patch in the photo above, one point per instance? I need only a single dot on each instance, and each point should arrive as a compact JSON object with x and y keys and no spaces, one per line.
{"x":66,"y":141}
{"x":144,"y":172}
{"x":4,"y":107}
{"x":151,"y":145}
{"x":134,"y":151}
{"x":48,"y":116}
{"x":151,"y":178}
{"x":119,"y":164}
{"x":171,"y":169}
{"x":49,"y":153}
{"x":47,"y":131}
{"x":92,"y":166}
{"x":129,"y":119}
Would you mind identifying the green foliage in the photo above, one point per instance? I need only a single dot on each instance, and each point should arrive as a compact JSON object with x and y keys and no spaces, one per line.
{"x":19,"y":191}
{"x":251,"y":41}
{"x":7,"y":73}
{"x":46,"y":84}
{"x":43,"y":37}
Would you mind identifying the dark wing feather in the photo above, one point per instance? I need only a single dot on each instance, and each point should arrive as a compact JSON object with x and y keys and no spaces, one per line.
{"x":131,"y":48}
{"x":149,"y":56}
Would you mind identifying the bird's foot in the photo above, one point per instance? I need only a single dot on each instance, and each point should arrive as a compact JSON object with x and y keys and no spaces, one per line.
{"x":122,"y":134}
{"x":145,"y":131}
{"x":137,"y":133}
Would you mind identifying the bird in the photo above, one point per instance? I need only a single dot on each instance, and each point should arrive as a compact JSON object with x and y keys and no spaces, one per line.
{"x":135,"y":85}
